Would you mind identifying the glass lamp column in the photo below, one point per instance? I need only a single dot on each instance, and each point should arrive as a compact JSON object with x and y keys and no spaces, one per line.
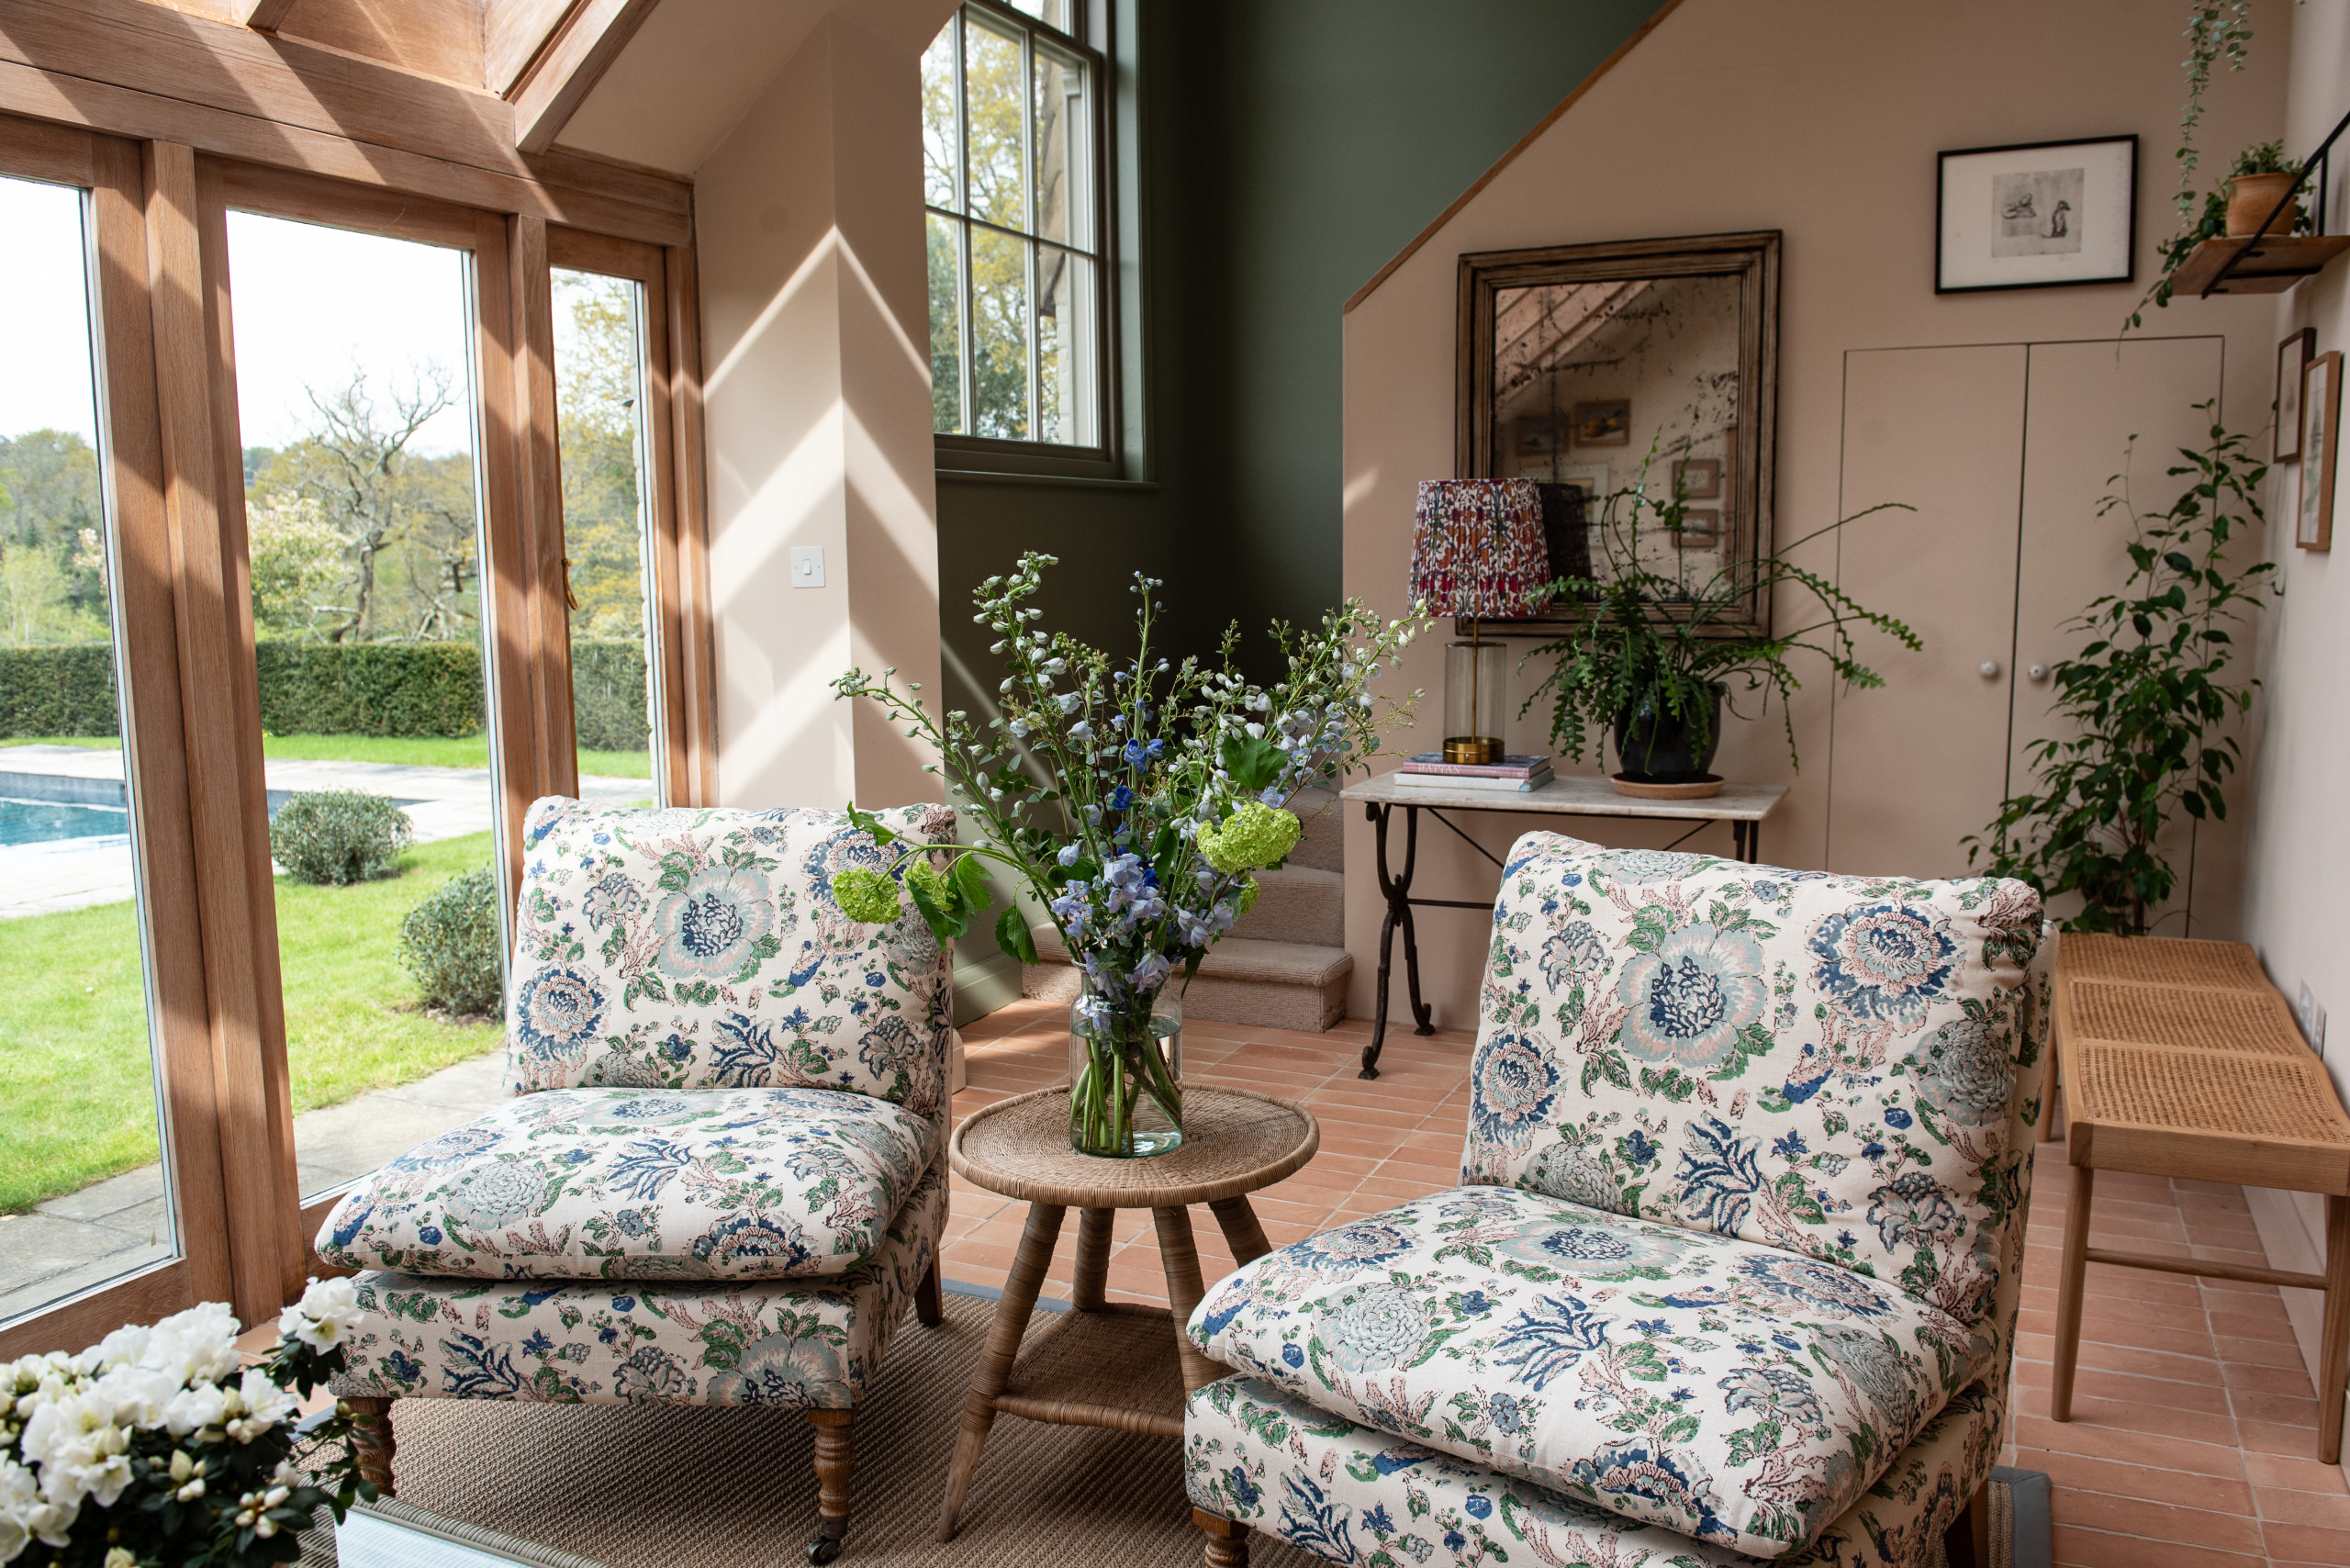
{"x":1474,"y":695}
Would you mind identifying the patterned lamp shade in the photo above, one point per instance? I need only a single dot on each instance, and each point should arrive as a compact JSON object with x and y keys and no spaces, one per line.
{"x":1477,"y":548}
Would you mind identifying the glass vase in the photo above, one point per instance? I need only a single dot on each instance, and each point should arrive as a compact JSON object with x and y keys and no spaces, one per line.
{"x":1126,"y":1075}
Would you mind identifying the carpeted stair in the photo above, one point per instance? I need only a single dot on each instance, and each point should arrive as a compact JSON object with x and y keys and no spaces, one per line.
{"x":1285,"y":964}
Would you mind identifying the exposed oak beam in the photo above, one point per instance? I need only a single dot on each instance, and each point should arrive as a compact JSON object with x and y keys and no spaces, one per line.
{"x":568,"y":68}
{"x":512,"y":34}
{"x":263,"y":15}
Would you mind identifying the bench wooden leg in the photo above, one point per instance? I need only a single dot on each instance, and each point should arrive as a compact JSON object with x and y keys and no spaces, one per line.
{"x":1967,"y":1541}
{"x":372,"y":1441}
{"x":2334,"y":1338}
{"x":2068,"y":1291}
{"x":835,"y":1456}
{"x":1227,"y":1539}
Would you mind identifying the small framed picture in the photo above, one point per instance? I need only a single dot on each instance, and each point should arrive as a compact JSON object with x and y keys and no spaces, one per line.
{"x":2037,"y":216}
{"x":1701,"y":529}
{"x":2321,"y":428}
{"x":2293,"y":356}
{"x":1607,"y":423}
{"x":1697,"y":479}
{"x":1539,"y":435}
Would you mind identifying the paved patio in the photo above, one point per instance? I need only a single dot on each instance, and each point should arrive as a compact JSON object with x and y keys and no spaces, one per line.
{"x":69,"y":873}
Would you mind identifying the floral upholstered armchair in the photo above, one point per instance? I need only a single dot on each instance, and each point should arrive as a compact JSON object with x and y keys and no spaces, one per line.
{"x":1734,"y":1269}
{"x":723,"y":1174}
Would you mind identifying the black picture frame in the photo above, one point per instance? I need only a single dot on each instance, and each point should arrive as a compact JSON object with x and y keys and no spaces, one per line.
{"x":1943,"y":238}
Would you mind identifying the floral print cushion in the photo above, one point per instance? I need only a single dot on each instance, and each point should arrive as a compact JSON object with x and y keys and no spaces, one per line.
{"x":679,"y":948}
{"x":1354,"y":1496}
{"x":1730,"y":1391}
{"x":799,"y":1344}
{"x":642,"y":1184}
{"x":1819,"y":1063}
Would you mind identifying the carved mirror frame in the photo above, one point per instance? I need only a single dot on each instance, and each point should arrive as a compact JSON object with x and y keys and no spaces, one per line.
{"x":1752,"y":259}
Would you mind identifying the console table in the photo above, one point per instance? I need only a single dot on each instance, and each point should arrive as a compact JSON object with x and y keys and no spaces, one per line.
{"x":1743,"y":806}
{"x":2181,"y":1060}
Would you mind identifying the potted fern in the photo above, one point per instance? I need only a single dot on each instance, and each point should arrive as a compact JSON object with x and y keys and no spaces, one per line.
{"x":1654,"y":658}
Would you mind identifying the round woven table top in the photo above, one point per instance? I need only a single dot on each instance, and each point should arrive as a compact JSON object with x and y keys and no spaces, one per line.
{"x":1235,"y":1141}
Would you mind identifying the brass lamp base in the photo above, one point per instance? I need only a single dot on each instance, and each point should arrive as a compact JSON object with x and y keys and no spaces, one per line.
{"x":1478,"y":750}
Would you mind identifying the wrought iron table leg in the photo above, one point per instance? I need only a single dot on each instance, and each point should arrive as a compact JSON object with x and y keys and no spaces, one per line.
{"x":1397,"y":892}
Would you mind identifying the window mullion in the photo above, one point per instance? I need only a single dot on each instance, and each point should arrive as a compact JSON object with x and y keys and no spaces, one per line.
{"x":967,"y":419}
{"x":1031,"y":219}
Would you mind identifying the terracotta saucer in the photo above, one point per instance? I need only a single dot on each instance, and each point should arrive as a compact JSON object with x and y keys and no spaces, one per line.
{"x":1711,"y":784}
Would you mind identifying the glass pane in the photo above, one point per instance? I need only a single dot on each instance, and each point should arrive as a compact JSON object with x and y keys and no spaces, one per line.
{"x":997,"y":125}
{"x":599,"y":389}
{"x":999,"y":335}
{"x":1054,"y":13}
{"x":80,"y":1179}
{"x":354,"y":391}
{"x":1067,"y":348}
{"x":939,"y":159}
{"x":946,"y":325}
{"x":1064,"y":132}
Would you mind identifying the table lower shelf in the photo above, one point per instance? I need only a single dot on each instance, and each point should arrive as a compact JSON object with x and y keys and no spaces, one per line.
{"x":1114,"y":1367}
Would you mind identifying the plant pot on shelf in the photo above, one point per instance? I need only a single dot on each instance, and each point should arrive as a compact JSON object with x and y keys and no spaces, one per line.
{"x":2252,"y":197}
{"x":1126,"y":1074}
{"x":1658,"y":747}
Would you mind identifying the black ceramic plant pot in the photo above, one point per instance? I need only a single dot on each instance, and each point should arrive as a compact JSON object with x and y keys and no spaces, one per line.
{"x":1658,"y":747}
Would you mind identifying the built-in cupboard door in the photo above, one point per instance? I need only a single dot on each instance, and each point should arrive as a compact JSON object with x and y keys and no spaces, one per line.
{"x":1921,"y":761}
{"x":2086,"y":402}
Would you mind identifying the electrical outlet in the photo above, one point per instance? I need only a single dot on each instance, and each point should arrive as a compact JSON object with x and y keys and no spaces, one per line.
{"x":807,"y":565}
{"x":2312,"y":1020}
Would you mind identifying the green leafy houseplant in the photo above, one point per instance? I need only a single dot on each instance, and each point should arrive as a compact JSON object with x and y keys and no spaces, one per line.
{"x":1655,"y":656}
{"x":2142,"y":702}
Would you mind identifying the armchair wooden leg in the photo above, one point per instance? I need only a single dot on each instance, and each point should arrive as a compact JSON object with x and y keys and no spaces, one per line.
{"x":1967,"y":1541}
{"x":928,"y":1309}
{"x":2334,"y":1338}
{"x":2070,"y":1278}
{"x":371,"y":1439}
{"x":1227,"y":1539}
{"x":835,"y":1453}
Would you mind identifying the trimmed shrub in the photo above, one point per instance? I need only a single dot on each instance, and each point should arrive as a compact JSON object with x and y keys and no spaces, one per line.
{"x":607,"y":703}
{"x":59,"y":691}
{"x":450,"y":944}
{"x":337,"y":837}
{"x":370,"y":689}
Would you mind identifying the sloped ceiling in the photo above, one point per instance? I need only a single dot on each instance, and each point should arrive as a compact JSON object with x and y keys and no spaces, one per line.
{"x":696,"y":67}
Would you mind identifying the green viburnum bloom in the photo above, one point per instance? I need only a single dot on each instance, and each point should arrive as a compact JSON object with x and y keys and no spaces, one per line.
{"x":1254,"y":836}
{"x":1248,"y":891}
{"x":920,"y":873}
{"x":866,"y":895}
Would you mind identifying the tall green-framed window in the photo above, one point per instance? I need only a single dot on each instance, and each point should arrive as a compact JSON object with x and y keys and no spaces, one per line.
{"x":1013,"y":173}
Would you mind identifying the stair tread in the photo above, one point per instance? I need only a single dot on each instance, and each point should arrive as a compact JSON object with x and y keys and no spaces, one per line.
{"x":1242,"y":958}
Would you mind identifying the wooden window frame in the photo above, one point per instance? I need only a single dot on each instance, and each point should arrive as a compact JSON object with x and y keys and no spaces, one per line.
{"x":194,"y":750}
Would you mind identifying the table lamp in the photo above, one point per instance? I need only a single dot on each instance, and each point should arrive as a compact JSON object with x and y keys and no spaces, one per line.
{"x":1477,"y":551}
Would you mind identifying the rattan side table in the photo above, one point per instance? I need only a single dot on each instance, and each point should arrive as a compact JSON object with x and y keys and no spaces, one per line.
{"x":1104,"y":1363}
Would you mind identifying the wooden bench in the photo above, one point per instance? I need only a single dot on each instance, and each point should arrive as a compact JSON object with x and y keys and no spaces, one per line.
{"x":2179,"y":1060}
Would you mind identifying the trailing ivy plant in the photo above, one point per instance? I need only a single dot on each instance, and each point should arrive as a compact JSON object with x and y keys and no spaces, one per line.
{"x":1649,"y":639}
{"x":2142,"y":705}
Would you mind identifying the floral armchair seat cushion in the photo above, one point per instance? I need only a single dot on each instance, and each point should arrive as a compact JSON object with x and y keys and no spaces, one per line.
{"x":812,"y":1344}
{"x":687,"y":949}
{"x":1814,"y":1062}
{"x":1735,"y":1393}
{"x":642,"y":1184}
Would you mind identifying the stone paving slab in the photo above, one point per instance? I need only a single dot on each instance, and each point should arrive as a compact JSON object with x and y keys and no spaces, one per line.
{"x":72,"y":873}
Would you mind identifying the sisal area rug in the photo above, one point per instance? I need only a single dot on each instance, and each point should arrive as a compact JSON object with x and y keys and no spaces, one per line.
{"x":660,"y":1486}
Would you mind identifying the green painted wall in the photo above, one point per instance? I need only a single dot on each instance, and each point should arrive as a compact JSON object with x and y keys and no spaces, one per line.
{"x":1287,"y":149}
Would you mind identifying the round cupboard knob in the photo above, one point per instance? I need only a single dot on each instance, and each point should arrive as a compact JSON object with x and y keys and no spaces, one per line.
{"x":1990,"y":670}
{"x":2037,"y":672}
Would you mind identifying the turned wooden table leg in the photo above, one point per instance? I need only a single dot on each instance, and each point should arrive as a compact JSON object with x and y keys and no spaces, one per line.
{"x":928,"y":1309}
{"x":1227,"y":1539}
{"x":2069,"y":1279}
{"x":2334,"y":1338}
{"x":1019,"y":1299}
{"x":1238,"y":1223}
{"x":835,"y":1456}
{"x":372,"y":1440}
{"x":1181,"y":1262}
{"x":1092,"y":1258}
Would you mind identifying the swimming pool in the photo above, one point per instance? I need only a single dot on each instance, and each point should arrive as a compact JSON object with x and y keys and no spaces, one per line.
{"x":39,"y":822}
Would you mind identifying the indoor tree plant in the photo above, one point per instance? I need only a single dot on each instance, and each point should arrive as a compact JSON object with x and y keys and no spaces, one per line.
{"x":2140,"y":702}
{"x":1131,"y":801}
{"x":1654,"y":658}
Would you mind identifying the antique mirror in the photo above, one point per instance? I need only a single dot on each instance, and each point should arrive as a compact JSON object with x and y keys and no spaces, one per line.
{"x":1594,"y":369}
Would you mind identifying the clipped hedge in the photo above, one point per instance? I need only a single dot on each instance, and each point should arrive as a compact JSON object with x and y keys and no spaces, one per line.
{"x":335,"y":689}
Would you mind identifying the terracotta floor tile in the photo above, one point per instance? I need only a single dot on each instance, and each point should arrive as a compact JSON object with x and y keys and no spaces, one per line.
{"x":2284,"y":1473}
{"x":2103,"y":1549}
{"x":2319,"y":1509}
{"x":2303,"y":1543}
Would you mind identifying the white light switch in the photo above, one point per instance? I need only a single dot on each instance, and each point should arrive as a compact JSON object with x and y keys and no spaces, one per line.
{"x":807,"y":565}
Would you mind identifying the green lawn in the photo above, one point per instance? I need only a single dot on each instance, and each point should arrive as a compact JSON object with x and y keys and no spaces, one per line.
{"x":424,"y":751}
{"x":76,"y":1096}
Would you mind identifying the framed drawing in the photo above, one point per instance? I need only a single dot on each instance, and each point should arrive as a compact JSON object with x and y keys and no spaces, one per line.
{"x":1701,"y":529}
{"x":2293,"y":356}
{"x":1539,"y":435}
{"x":2321,"y":428}
{"x":2037,"y":216}
{"x":1673,"y":344}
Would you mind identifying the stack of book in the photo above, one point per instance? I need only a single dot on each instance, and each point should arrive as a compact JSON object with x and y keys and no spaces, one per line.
{"x":1428,"y":770}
